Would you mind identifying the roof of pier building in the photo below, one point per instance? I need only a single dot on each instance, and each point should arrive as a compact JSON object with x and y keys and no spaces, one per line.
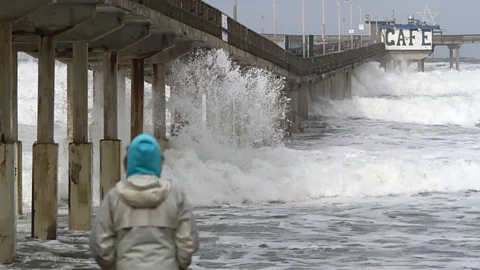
{"x":408,"y":26}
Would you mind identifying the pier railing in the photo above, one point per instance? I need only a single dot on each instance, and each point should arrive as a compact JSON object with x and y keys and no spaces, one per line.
{"x":206,"y":18}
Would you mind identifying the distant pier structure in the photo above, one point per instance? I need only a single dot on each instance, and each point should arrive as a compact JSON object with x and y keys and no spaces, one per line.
{"x":413,"y":41}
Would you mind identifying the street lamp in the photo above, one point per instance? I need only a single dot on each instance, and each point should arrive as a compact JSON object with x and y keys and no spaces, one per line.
{"x":339,"y":28}
{"x":323,"y":25}
{"x":360,"y":27}
{"x":303,"y":26}
{"x":275,"y":21}
{"x":351,"y":23}
{"x":262,"y":24}
{"x":235,"y":10}
{"x":367,"y":17}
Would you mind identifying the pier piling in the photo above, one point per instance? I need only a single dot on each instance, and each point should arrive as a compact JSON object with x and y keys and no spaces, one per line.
{"x":7,"y":150}
{"x":80,"y":154}
{"x":45,"y":150}
{"x":110,"y":146}
{"x":137,"y":96}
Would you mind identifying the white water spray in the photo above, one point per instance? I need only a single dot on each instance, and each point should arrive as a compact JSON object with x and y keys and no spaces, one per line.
{"x":221,"y":164}
{"x":438,"y":97}
{"x":243,"y":106}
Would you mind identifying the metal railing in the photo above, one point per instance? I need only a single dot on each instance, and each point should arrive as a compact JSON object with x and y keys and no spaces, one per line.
{"x":204,"y":17}
{"x":455,"y":39}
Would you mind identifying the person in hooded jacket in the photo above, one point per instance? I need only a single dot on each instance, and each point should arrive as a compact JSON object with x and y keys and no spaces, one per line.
{"x":144,"y":223}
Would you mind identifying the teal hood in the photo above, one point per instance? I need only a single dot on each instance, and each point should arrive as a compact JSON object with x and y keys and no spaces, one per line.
{"x":144,"y":156}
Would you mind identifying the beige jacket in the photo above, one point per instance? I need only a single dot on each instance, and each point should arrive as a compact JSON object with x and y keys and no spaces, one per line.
{"x":144,"y":224}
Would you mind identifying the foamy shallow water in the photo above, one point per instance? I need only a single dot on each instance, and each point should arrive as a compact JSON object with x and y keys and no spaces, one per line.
{"x":425,"y":231}
{"x":386,"y":180}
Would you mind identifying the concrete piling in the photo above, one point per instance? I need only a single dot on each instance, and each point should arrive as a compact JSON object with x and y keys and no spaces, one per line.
{"x":123,"y":115}
{"x":70,"y":101}
{"x":294,"y":119}
{"x":18,"y":144}
{"x":159,"y":109}
{"x":334,"y":86}
{"x":7,"y":150}
{"x":421,"y":65}
{"x":19,"y":177}
{"x":46,"y":89}
{"x":96,"y":126}
{"x":110,"y":167}
{"x":6,"y":84}
{"x":110,"y":146}
{"x":45,"y":150}
{"x":304,"y":102}
{"x":137,"y":96}
{"x":450,"y":49}
{"x":320,"y":89}
{"x":457,"y":56}
{"x":348,"y":85}
{"x":80,"y":186}
{"x":338,"y":86}
{"x":80,"y":156}
{"x":70,"y":104}
{"x":327,"y":88}
{"x":110,"y":111}
{"x":7,"y":206}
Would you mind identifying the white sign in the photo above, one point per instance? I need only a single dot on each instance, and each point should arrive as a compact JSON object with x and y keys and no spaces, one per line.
{"x":224,"y":27}
{"x":406,"y":39}
{"x":351,"y":31}
{"x":224,"y":21}
{"x":361,"y":27}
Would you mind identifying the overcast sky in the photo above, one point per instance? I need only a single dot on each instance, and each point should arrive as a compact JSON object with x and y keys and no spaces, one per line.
{"x":455,"y":17}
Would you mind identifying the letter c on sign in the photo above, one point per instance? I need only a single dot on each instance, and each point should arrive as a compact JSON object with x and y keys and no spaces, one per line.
{"x":389,"y":42}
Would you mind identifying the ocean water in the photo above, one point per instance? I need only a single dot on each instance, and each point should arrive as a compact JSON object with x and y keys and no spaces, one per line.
{"x":386,"y":180}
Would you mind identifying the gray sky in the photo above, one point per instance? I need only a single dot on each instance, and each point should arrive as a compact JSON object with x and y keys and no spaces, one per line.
{"x":452,"y":17}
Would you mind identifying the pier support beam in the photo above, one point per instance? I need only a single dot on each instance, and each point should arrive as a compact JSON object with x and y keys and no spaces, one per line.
{"x":110,"y":165}
{"x":45,"y":150}
{"x":421,"y":65}
{"x":80,"y":156}
{"x":327,"y":88}
{"x":159,"y":60}
{"x":137,"y":96}
{"x":294,"y":109}
{"x":457,"y":56}
{"x":18,"y":144}
{"x":110,"y":146}
{"x":383,"y":64}
{"x":391,"y":66}
{"x":450,"y":49}
{"x":7,"y":150}
{"x":338,"y":86}
{"x":123,"y":116}
{"x":159,"y":110}
{"x":347,"y":93}
{"x":96,"y":126}
{"x":455,"y":59}
{"x":123,"y":113}
{"x":304,"y":102}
